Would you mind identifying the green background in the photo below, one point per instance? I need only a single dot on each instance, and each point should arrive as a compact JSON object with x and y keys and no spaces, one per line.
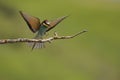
{"x":94,"y":55}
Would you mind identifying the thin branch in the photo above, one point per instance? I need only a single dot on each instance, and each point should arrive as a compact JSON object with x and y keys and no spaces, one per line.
{"x":55,"y":37}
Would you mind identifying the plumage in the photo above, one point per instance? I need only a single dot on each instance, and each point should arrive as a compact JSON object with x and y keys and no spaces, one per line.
{"x":40,"y":34}
{"x":35,"y":26}
{"x":32,"y":22}
{"x":53,"y":23}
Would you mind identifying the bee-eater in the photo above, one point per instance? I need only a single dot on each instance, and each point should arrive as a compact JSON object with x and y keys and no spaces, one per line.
{"x":40,"y":27}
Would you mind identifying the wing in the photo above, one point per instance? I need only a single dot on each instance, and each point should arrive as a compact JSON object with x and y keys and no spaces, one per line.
{"x":32,"y":22}
{"x":53,"y":23}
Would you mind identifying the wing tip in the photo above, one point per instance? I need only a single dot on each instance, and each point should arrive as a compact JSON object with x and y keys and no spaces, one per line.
{"x":21,"y":13}
{"x":66,"y":16}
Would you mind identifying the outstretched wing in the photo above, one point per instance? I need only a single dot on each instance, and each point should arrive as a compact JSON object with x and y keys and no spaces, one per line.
{"x":32,"y":22}
{"x":53,"y":23}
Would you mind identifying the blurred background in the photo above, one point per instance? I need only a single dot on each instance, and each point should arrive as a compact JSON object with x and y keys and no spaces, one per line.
{"x":94,"y":55}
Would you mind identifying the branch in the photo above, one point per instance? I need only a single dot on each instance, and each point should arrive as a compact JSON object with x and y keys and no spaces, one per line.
{"x":55,"y":37}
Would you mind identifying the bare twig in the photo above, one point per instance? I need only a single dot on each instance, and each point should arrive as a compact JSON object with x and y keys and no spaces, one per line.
{"x":55,"y":37}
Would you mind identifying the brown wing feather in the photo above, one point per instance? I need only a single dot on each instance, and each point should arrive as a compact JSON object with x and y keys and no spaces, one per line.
{"x":32,"y":22}
{"x":55,"y":22}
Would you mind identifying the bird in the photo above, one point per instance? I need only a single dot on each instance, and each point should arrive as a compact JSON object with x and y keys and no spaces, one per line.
{"x":41,"y":28}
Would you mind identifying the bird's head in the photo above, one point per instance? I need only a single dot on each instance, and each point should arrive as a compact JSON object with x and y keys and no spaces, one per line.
{"x":46,"y":23}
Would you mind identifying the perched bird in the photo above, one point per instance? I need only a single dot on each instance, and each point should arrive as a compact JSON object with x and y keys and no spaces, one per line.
{"x":40,"y":27}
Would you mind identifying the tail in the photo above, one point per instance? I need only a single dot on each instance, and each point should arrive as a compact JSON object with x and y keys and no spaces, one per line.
{"x":36,"y":44}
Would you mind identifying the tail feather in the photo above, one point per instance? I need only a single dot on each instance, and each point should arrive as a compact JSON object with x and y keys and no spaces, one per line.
{"x":36,"y":45}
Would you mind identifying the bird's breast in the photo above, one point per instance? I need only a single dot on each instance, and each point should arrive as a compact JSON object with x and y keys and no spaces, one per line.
{"x":42,"y":30}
